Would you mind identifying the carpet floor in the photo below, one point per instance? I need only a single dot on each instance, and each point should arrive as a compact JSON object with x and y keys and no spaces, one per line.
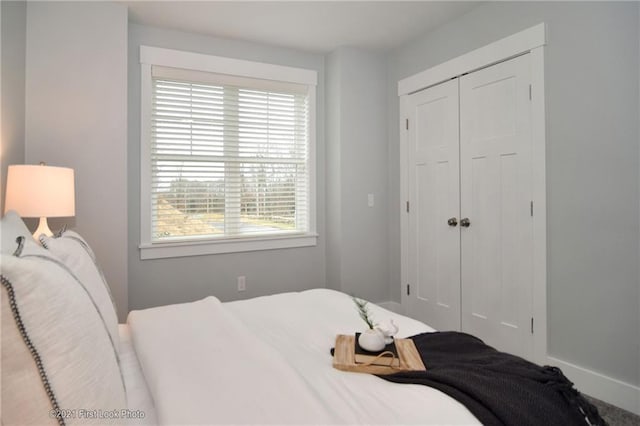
{"x":613,"y":415}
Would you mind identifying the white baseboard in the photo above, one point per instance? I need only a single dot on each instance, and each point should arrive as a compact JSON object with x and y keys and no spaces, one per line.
{"x":392,"y":306}
{"x":613,"y":391}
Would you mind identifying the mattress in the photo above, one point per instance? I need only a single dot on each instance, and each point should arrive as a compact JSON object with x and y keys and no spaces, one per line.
{"x":267,"y":360}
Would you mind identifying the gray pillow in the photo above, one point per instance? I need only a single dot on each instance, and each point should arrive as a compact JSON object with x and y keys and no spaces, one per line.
{"x":56,"y":353}
{"x":76,"y":254}
{"x":11,"y":227}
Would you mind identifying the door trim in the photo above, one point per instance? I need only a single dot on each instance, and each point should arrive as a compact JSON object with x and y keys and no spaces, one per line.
{"x":498,"y":51}
{"x":539,"y":144}
{"x":530,"y":41}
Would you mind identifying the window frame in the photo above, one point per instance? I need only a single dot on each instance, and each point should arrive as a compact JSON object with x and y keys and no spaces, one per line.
{"x":154,"y":56}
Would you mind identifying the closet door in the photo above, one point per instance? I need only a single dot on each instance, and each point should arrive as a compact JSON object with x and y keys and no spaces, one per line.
{"x":496,"y":188}
{"x":434,"y":196}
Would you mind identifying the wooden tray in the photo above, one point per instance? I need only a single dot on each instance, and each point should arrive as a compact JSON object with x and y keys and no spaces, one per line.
{"x":344,"y":357}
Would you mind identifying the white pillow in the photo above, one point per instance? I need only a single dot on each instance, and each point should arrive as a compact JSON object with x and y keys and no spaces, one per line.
{"x":12,"y":227}
{"x":76,"y":254}
{"x":56,"y":353}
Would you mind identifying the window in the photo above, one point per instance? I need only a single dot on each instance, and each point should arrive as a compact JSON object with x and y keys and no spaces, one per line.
{"x":227,"y":159}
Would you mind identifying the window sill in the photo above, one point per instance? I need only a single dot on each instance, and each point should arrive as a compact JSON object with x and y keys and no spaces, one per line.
{"x":200,"y":248}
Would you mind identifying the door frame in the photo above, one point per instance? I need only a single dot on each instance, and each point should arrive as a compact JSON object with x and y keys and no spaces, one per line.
{"x":531,"y":41}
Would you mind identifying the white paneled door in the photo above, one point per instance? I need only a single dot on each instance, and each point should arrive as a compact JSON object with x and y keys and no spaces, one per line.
{"x":470,"y":191}
{"x":496,"y":196}
{"x":434,"y":182}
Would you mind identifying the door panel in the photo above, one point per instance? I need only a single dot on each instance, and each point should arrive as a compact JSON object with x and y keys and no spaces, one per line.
{"x":434,"y":185}
{"x":496,"y":185}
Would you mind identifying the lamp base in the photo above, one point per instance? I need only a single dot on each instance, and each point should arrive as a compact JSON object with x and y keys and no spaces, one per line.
{"x":43,"y":228}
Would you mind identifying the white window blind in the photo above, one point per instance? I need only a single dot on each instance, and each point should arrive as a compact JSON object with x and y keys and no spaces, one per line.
{"x":229,"y":157}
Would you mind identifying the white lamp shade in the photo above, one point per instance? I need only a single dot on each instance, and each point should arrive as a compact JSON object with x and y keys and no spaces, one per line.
{"x":40,"y":191}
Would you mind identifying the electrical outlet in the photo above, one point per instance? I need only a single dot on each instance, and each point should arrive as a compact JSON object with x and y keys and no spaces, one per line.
{"x":242,"y":283}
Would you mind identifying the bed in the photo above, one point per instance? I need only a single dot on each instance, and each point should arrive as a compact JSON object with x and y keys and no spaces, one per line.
{"x":261,"y":361}
{"x":266,"y":360}
{"x":66,"y":360}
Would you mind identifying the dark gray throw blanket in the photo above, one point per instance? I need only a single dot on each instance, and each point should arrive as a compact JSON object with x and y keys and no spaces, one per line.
{"x":498,"y":388}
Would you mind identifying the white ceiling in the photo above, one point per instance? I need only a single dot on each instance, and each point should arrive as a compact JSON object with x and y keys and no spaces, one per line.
{"x":316,"y":26}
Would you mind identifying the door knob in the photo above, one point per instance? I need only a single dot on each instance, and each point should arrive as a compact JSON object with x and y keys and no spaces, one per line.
{"x":452,"y":221}
{"x":465,"y":222}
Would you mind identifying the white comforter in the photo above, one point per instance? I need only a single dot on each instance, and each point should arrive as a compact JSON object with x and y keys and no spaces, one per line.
{"x":267,"y":361}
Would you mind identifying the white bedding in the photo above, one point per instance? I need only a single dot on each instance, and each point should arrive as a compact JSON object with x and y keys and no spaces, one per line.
{"x":138,"y":396}
{"x":267,"y":361}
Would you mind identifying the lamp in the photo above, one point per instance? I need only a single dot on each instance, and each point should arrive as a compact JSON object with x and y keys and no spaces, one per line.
{"x":40,"y":191}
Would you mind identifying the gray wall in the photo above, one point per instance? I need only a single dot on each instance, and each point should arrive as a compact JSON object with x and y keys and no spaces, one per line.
{"x":76,"y":116}
{"x":13,"y":27}
{"x":357,"y":257}
{"x":333,"y":170}
{"x":164,"y":281}
{"x":592,"y":167}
